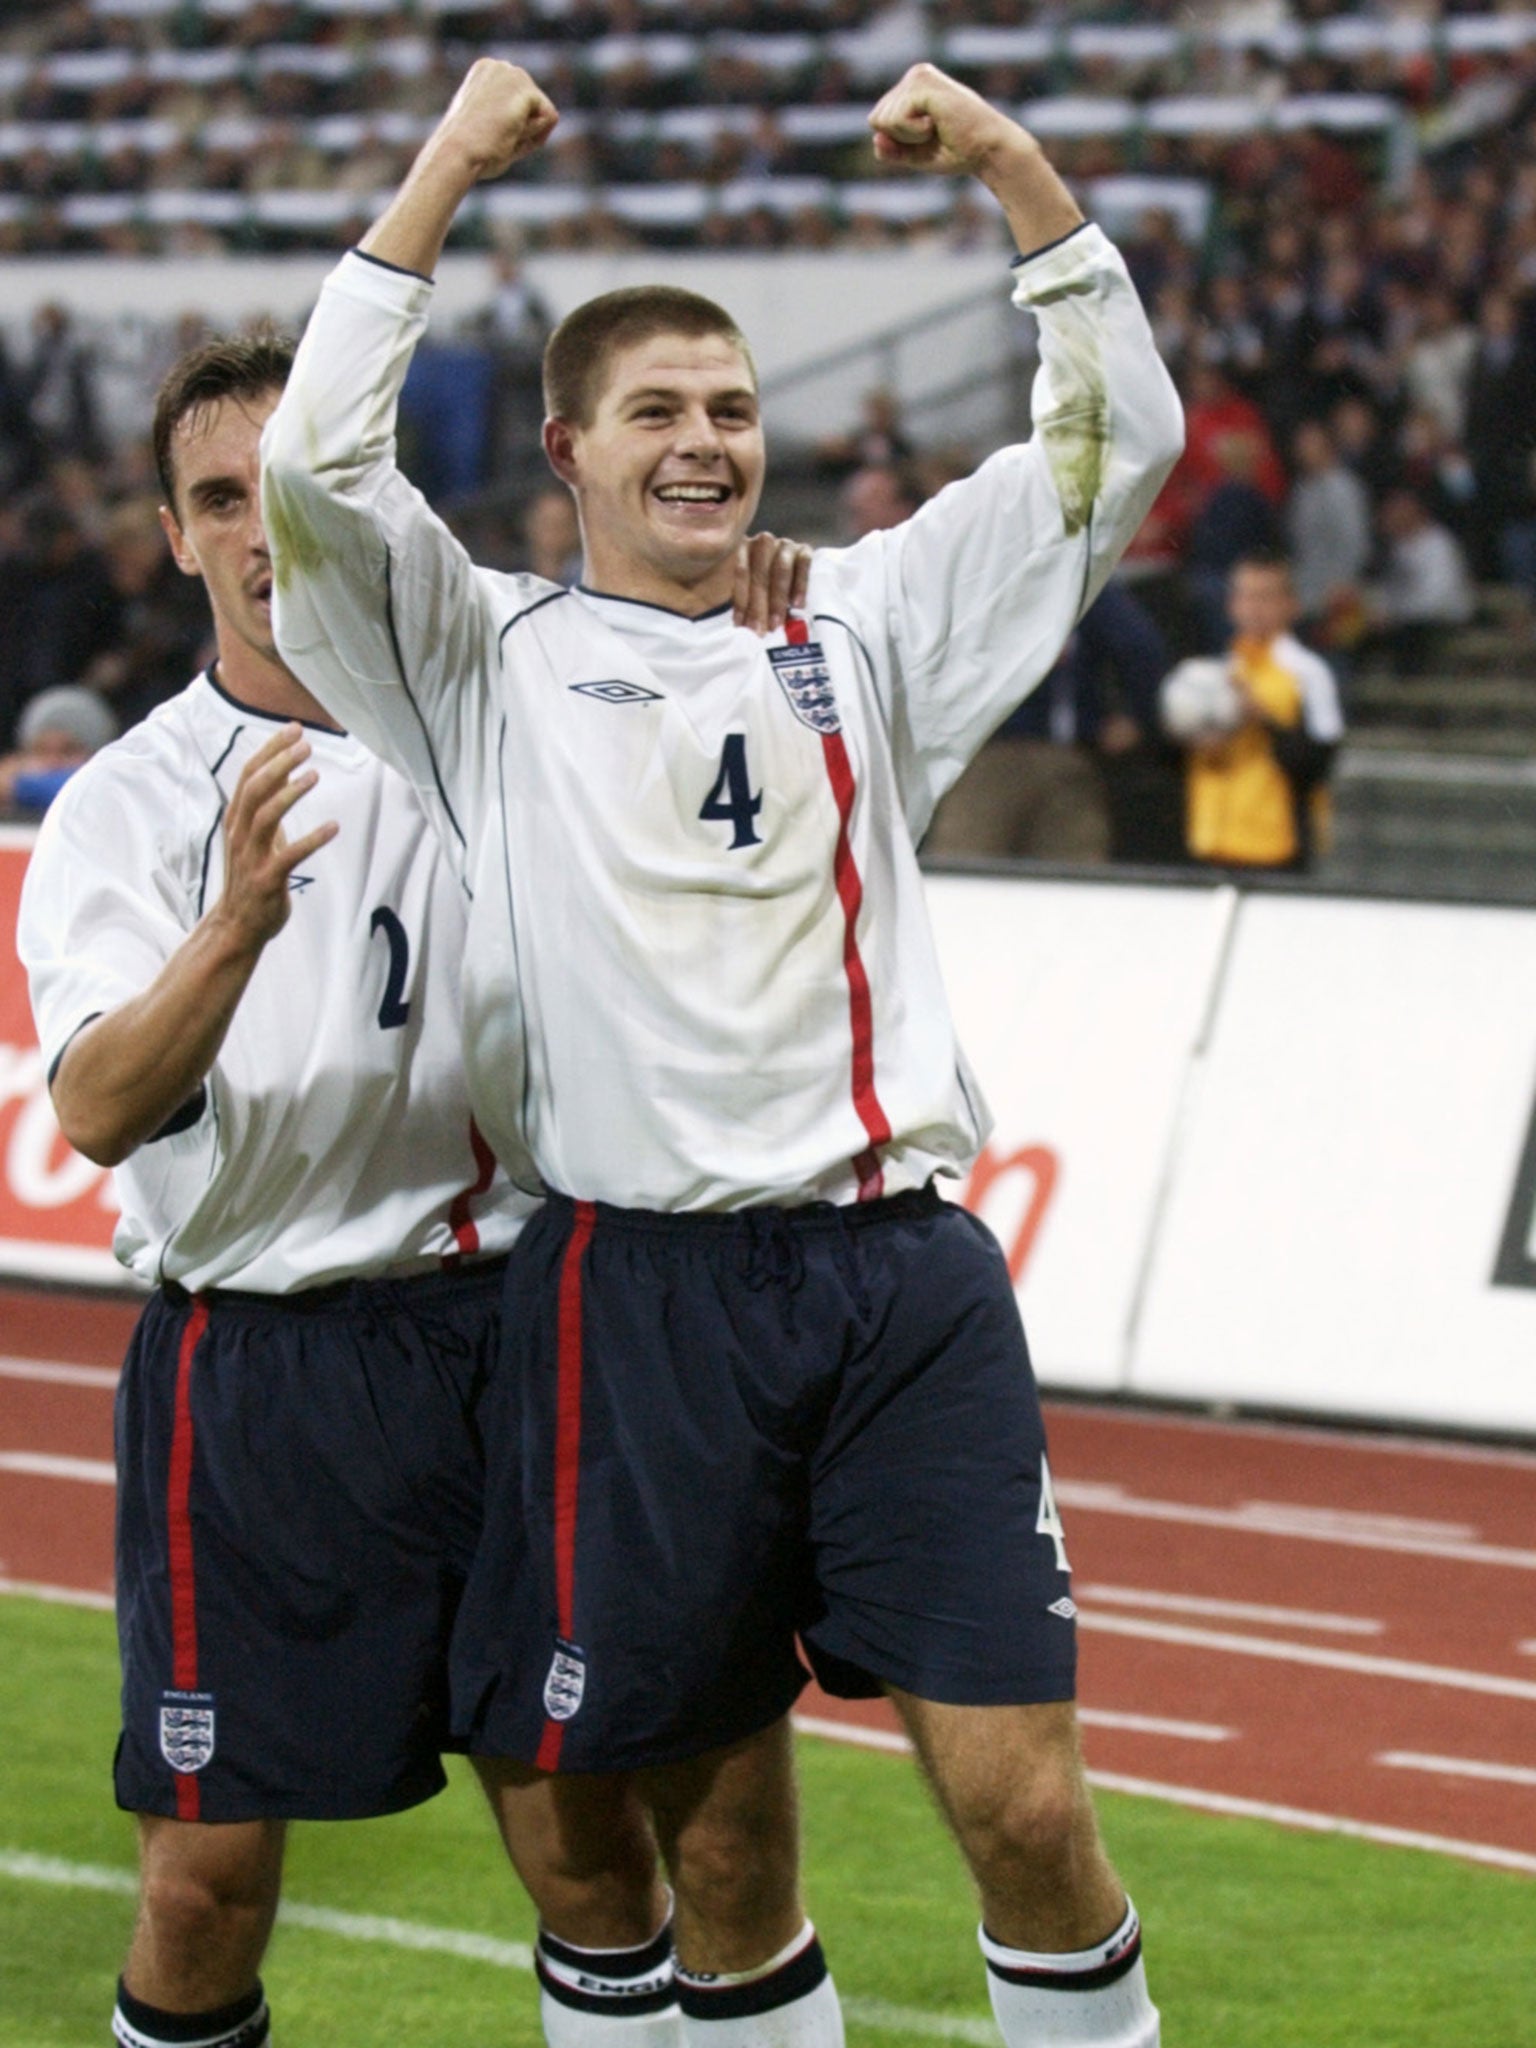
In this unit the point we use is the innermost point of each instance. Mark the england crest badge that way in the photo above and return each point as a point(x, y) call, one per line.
point(807, 683)
point(186, 1730)
point(567, 1681)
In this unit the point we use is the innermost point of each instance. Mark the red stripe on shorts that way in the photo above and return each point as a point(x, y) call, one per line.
point(850, 891)
point(465, 1234)
point(567, 1451)
point(178, 1519)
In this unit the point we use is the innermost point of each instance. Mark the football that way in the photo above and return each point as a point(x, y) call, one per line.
point(1199, 701)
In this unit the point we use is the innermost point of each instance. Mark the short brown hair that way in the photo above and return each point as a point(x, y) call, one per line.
point(230, 366)
point(578, 352)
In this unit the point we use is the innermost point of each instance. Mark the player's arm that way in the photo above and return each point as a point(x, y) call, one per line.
point(126, 1074)
point(973, 597)
point(376, 606)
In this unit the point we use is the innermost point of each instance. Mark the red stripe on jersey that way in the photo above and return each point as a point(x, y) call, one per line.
point(567, 1450)
point(178, 1519)
point(850, 890)
point(460, 1222)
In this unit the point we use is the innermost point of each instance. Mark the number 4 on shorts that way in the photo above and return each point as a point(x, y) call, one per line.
point(1048, 1521)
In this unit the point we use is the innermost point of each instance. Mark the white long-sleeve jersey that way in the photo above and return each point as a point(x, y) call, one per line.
point(699, 973)
point(331, 1140)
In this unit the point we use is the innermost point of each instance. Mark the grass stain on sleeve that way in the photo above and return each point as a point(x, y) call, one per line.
point(1075, 431)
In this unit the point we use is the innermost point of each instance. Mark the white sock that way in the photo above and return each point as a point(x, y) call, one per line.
point(1093, 1998)
point(608, 1998)
point(788, 2002)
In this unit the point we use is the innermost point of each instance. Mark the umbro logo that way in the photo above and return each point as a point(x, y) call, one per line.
point(614, 690)
point(297, 883)
point(1066, 1607)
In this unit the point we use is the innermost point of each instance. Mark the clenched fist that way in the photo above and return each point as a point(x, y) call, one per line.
point(931, 122)
point(497, 115)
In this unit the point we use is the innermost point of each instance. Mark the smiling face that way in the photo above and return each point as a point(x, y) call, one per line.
point(667, 471)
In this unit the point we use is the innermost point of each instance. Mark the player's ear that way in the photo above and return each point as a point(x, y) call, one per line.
point(184, 558)
point(560, 449)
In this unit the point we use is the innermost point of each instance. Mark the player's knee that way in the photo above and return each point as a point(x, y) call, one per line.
point(1031, 1818)
point(193, 1912)
point(734, 1875)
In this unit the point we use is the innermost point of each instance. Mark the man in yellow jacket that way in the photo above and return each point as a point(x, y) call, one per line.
point(1255, 796)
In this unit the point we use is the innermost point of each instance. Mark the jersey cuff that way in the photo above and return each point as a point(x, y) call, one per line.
point(398, 269)
point(58, 1059)
point(1045, 248)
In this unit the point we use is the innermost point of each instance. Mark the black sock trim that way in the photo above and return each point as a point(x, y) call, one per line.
point(1095, 1979)
point(797, 1978)
point(616, 1965)
point(244, 2023)
point(614, 2004)
point(616, 1962)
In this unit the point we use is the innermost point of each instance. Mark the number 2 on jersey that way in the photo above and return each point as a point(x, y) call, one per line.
point(393, 1011)
point(731, 800)
point(1048, 1521)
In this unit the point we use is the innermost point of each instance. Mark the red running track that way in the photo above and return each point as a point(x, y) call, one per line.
point(1335, 1627)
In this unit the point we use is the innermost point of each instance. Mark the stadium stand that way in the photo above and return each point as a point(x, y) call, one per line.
point(1331, 215)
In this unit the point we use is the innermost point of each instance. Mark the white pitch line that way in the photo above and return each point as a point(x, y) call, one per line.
point(851, 1731)
point(455, 1941)
point(1527, 1649)
point(1257, 1519)
point(54, 1374)
point(1231, 1610)
point(1457, 1767)
point(1315, 1823)
point(1281, 1652)
point(59, 1596)
point(43, 1465)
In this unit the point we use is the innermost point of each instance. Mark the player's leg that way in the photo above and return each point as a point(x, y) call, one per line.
point(584, 1850)
point(943, 1574)
point(1061, 1940)
point(750, 1968)
point(207, 1899)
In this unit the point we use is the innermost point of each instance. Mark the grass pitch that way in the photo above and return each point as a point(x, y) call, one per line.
point(1257, 1937)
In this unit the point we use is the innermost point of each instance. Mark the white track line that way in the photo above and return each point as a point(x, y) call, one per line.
point(1255, 1518)
point(1231, 1610)
point(1457, 1767)
point(1226, 1803)
point(43, 1465)
point(58, 1375)
point(1316, 1823)
point(1342, 1438)
point(454, 1941)
point(1312, 1653)
point(1090, 1717)
point(1527, 1649)
point(58, 1596)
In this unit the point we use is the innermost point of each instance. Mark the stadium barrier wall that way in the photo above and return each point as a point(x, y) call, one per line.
point(1260, 1149)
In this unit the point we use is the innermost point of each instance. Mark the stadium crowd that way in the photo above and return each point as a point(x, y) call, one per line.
point(1331, 218)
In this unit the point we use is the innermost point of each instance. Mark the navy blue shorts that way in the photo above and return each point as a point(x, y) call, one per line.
point(710, 1433)
point(300, 1483)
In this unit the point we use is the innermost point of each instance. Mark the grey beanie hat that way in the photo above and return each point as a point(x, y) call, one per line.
point(71, 708)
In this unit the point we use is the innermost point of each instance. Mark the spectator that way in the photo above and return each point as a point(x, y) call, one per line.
point(1041, 787)
point(1425, 590)
point(552, 536)
point(56, 608)
point(58, 386)
point(1501, 442)
point(1236, 519)
point(1328, 528)
point(58, 731)
point(877, 495)
point(878, 439)
point(1255, 795)
point(514, 326)
point(158, 624)
point(1438, 363)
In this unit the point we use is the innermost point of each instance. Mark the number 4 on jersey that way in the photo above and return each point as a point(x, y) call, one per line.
point(731, 801)
point(1048, 1521)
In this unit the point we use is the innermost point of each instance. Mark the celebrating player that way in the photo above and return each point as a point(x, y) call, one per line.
point(759, 1376)
point(261, 1032)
